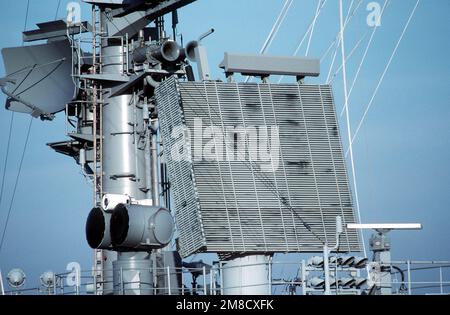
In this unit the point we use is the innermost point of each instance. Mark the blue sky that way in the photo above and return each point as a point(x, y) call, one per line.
point(401, 154)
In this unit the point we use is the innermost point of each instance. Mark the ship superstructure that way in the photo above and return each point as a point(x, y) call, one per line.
point(183, 165)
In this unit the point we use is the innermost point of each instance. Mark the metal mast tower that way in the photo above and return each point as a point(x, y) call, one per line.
point(131, 60)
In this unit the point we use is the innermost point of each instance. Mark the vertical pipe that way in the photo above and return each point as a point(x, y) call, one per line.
point(122, 287)
point(211, 282)
point(155, 273)
point(182, 282)
point(349, 128)
point(155, 164)
point(440, 280)
point(326, 269)
point(205, 292)
point(215, 281)
point(148, 149)
point(77, 284)
point(221, 277)
point(270, 274)
point(409, 277)
point(127, 55)
point(304, 277)
point(168, 281)
point(54, 284)
point(95, 281)
point(1, 283)
point(135, 138)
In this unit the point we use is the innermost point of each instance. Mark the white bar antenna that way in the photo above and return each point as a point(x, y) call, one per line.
point(389, 226)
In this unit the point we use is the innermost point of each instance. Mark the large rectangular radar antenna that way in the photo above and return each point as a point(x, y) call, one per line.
point(232, 203)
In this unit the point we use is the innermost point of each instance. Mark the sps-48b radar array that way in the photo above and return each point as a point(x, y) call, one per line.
point(126, 87)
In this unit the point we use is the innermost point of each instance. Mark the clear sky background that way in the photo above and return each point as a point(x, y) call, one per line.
point(402, 154)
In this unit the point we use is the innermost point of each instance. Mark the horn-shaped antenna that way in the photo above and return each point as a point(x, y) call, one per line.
point(196, 52)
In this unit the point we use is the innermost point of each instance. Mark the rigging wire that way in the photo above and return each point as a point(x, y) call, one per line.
point(275, 28)
point(57, 9)
point(338, 38)
point(349, 56)
point(347, 20)
point(7, 154)
point(319, 3)
point(347, 114)
point(384, 72)
point(363, 59)
point(300, 44)
point(8, 146)
point(16, 182)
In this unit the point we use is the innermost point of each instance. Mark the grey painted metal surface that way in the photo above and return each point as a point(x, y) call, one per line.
point(39, 70)
point(133, 274)
point(141, 228)
point(231, 206)
point(123, 149)
point(129, 17)
point(261, 65)
point(55, 29)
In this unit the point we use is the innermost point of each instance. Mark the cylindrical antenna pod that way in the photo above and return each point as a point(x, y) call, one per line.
point(141, 228)
point(97, 229)
point(168, 52)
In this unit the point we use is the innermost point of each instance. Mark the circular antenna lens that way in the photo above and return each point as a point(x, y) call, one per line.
point(163, 226)
point(95, 228)
point(120, 224)
point(171, 51)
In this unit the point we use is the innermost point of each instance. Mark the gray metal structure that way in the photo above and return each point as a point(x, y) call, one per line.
point(235, 205)
point(127, 92)
point(263, 66)
point(35, 70)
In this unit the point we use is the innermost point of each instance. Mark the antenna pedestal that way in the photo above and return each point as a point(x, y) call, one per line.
point(133, 274)
point(380, 244)
point(248, 275)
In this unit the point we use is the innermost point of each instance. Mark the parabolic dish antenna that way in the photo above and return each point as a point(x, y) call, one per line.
point(39, 78)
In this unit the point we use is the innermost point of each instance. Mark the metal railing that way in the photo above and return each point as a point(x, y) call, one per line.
point(408, 278)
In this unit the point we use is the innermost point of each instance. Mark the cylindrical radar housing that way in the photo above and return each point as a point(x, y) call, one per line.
point(97, 229)
point(141, 228)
